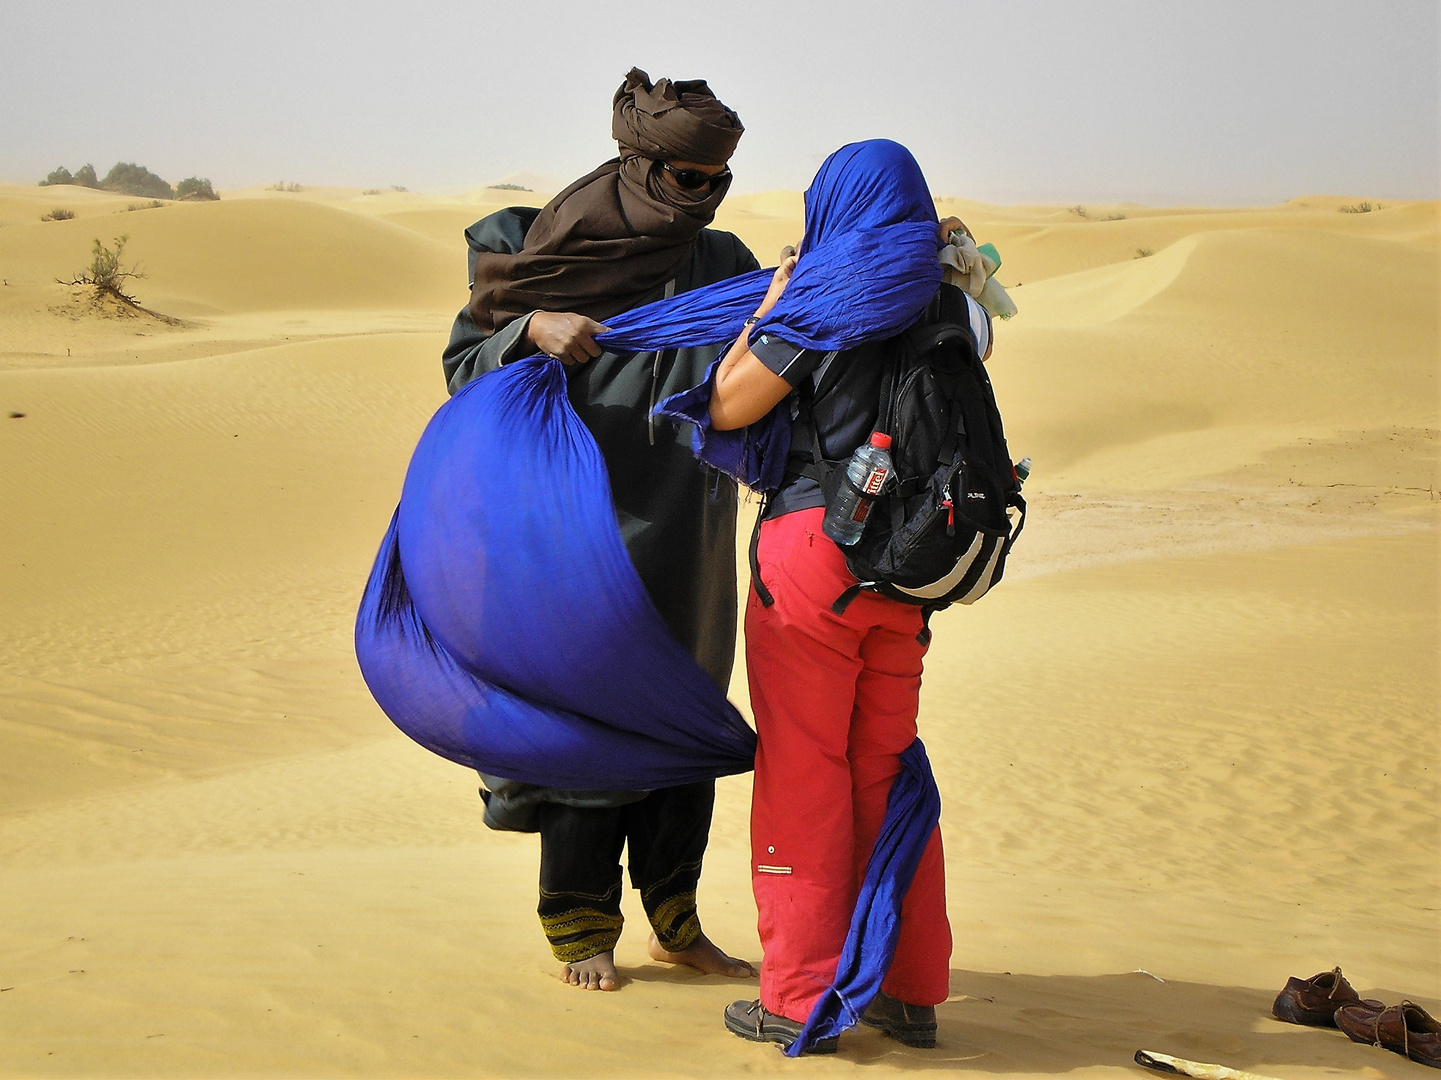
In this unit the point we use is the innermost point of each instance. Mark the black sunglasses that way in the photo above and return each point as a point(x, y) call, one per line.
point(694, 179)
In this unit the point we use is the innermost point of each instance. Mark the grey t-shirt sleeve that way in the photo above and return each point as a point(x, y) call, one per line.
point(788, 361)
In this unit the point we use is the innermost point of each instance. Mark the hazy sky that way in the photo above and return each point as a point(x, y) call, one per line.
point(1217, 102)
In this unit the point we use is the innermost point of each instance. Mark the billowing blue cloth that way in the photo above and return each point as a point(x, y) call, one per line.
point(913, 810)
point(504, 626)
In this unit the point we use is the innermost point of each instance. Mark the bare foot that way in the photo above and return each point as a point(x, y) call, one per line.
point(597, 973)
point(704, 957)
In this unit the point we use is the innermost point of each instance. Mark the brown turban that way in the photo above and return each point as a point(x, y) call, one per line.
point(679, 121)
point(615, 235)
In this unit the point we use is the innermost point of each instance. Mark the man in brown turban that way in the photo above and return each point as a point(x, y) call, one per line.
point(628, 233)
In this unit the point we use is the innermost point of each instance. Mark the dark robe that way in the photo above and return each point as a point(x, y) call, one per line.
point(677, 518)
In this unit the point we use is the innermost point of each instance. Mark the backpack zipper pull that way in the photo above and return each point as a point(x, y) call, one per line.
point(950, 515)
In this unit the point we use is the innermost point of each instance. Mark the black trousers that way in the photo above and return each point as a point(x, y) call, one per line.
point(580, 874)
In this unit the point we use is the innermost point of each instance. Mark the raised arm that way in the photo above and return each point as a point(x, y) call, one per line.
point(744, 389)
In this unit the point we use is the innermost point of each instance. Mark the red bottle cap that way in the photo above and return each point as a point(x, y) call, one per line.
point(880, 440)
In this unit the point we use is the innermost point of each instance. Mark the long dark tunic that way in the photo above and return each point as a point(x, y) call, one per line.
point(677, 518)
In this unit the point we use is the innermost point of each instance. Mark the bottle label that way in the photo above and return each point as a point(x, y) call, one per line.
point(876, 481)
point(862, 511)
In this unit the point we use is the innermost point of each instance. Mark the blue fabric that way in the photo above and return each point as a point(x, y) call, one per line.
point(867, 269)
point(504, 626)
point(913, 810)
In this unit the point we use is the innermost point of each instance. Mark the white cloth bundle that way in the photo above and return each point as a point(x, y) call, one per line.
point(972, 271)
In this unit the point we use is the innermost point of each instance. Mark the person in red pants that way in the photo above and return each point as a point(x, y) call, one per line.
point(835, 698)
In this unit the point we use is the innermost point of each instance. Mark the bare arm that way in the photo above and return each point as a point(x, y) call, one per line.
point(744, 389)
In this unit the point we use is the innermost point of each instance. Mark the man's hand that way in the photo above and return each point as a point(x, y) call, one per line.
point(568, 337)
point(950, 225)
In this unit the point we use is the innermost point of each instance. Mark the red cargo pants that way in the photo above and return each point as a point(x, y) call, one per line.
point(835, 700)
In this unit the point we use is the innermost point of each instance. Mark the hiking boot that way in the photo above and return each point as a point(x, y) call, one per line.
point(752, 1020)
point(1314, 1001)
point(1407, 1029)
point(913, 1025)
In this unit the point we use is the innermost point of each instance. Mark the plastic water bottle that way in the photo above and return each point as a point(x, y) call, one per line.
point(869, 471)
point(1023, 470)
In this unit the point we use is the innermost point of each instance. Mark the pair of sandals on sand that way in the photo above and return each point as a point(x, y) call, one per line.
point(1328, 1000)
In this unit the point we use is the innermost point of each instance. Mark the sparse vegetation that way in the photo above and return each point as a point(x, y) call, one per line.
point(283, 186)
point(107, 272)
point(128, 178)
point(125, 177)
point(372, 191)
point(1359, 208)
point(58, 214)
point(153, 204)
point(1144, 252)
point(1114, 217)
point(1081, 212)
point(508, 187)
point(398, 187)
point(196, 189)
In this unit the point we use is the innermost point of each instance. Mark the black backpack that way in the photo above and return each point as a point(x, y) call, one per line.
point(942, 532)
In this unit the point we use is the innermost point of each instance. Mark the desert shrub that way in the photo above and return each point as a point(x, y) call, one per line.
point(58, 176)
point(283, 186)
point(153, 204)
point(196, 188)
point(1359, 208)
point(507, 187)
point(107, 272)
point(1114, 217)
point(128, 178)
point(373, 191)
point(85, 176)
point(398, 187)
point(1144, 253)
point(58, 214)
point(1081, 212)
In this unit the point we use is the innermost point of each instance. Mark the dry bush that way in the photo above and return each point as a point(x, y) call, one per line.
point(128, 178)
point(107, 273)
point(58, 214)
point(196, 189)
point(283, 186)
point(1081, 212)
point(153, 204)
point(1359, 208)
point(1144, 252)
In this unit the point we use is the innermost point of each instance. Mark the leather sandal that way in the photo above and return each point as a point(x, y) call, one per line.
point(1407, 1029)
point(1314, 1001)
point(752, 1020)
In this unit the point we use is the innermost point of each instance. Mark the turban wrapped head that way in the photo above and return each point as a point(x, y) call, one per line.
point(617, 234)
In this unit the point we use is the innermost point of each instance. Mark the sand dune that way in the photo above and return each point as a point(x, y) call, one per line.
point(1195, 733)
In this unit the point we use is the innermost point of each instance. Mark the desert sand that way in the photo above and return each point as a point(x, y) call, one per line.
point(1188, 749)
